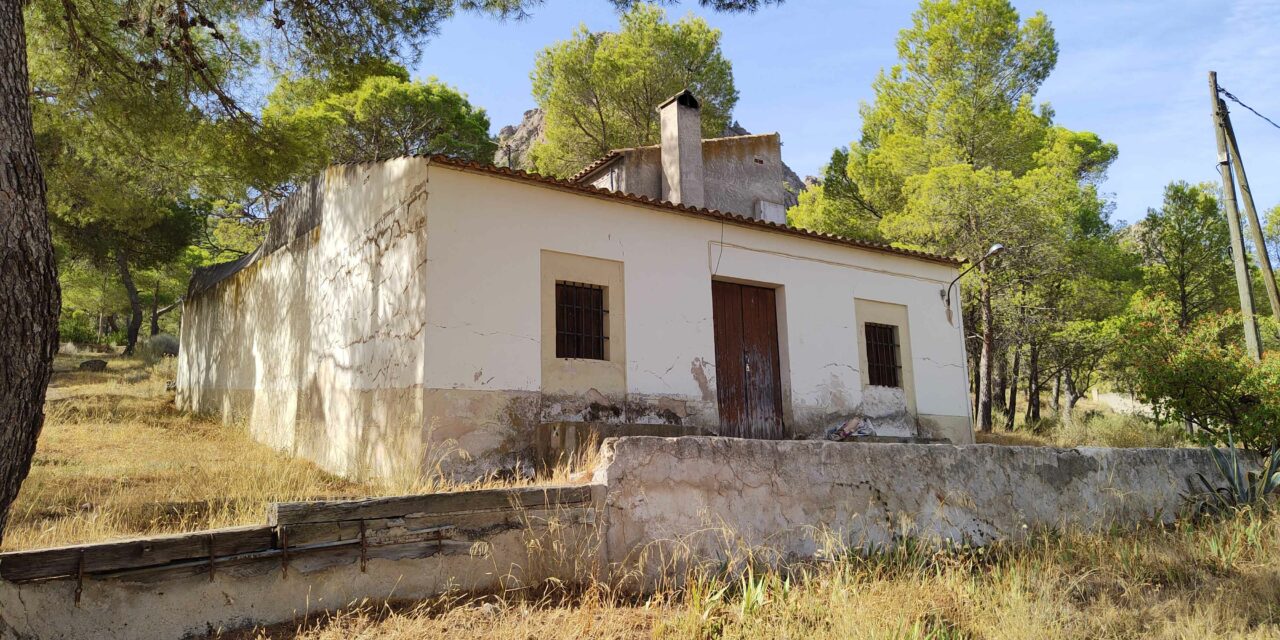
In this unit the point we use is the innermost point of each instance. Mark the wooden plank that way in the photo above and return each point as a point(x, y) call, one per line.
point(290, 513)
point(17, 566)
point(435, 535)
point(309, 533)
point(726, 314)
point(760, 349)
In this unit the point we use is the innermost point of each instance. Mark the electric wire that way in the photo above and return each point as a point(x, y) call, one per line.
point(1236, 100)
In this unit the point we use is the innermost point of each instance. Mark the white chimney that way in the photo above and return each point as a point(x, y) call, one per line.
point(681, 123)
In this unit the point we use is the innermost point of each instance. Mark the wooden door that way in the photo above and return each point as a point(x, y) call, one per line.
point(748, 381)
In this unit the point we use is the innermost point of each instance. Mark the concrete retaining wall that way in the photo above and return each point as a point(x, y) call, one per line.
point(693, 498)
point(307, 560)
point(796, 498)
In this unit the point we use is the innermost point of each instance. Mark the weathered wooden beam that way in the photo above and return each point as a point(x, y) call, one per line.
point(21, 566)
point(378, 547)
point(289, 513)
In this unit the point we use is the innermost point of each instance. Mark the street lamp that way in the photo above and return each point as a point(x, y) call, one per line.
point(945, 294)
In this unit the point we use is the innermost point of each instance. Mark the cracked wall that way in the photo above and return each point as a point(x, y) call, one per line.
point(318, 346)
point(798, 500)
point(405, 328)
point(488, 237)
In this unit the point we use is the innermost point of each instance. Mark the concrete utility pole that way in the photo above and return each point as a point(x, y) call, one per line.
point(1252, 340)
point(1251, 213)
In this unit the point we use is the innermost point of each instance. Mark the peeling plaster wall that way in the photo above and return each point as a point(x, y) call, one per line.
point(318, 346)
point(744, 171)
point(738, 173)
point(486, 236)
point(799, 499)
point(328, 348)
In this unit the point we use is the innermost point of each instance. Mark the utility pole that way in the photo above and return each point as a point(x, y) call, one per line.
point(1252, 340)
point(1251, 213)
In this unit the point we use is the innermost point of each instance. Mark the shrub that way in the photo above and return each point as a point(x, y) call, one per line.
point(1242, 488)
point(1200, 375)
point(161, 345)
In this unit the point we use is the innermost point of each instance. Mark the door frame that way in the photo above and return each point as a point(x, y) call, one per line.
point(784, 352)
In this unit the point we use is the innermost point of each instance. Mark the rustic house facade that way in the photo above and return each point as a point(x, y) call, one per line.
point(424, 310)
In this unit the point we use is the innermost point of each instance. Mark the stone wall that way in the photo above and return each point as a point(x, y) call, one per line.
point(800, 498)
point(654, 503)
point(310, 558)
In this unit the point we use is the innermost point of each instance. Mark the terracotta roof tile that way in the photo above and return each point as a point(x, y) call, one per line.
point(207, 277)
point(599, 162)
point(570, 185)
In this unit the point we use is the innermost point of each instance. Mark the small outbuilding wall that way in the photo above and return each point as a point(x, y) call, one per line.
point(403, 317)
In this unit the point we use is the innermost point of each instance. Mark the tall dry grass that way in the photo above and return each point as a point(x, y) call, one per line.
point(117, 459)
point(1201, 580)
point(1090, 428)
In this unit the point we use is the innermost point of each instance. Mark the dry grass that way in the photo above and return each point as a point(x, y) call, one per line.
point(117, 459)
point(1091, 428)
point(1212, 579)
point(115, 447)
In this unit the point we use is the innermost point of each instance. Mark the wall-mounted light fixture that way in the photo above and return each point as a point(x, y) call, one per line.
point(945, 294)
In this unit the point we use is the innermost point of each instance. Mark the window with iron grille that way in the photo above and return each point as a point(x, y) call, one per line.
point(580, 321)
point(883, 366)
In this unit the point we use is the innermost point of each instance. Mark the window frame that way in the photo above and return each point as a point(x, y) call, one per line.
point(581, 321)
point(879, 373)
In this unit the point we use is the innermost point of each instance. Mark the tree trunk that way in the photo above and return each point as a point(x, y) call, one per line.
point(135, 302)
point(1057, 394)
point(29, 295)
point(1072, 396)
point(1011, 409)
point(988, 348)
point(1033, 383)
point(155, 310)
point(999, 399)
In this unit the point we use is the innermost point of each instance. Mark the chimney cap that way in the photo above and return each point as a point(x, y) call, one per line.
point(684, 98)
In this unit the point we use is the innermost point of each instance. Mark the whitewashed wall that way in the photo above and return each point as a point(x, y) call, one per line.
point(405, 330)
point(485, 236)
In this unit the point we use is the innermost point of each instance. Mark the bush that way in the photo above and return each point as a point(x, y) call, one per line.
point(1201, 375)
point(159, 346)
point(77, 327)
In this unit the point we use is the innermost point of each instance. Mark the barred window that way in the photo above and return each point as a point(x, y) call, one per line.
point(883, 362)
point(580, 315)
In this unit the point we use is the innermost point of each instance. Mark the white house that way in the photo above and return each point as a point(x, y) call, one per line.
point(424, 308)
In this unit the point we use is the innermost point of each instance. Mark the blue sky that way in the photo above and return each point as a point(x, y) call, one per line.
point(1134, 72)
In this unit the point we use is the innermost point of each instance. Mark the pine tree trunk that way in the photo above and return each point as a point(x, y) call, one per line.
point(1072, 396)
point(155, 310)
point(29, 295)
point(986, 362)
point(1057, 394)
point(999, 400)
point(135, 302)
point(1033, 383)
point(1011, 409)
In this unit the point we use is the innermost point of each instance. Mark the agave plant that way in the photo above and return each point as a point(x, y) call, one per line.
point(1242, 487)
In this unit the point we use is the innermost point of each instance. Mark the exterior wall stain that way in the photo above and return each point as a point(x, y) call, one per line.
point(396, 324)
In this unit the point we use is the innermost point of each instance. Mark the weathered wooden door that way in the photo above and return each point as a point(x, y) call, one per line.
point(748, 382)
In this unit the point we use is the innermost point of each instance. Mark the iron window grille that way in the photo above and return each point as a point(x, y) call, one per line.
point(580, 321)
point(884, 366)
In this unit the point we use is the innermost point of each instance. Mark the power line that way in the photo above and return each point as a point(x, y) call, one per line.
point(1255, 111)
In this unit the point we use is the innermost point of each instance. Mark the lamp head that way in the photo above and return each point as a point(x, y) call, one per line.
point(995, 248)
